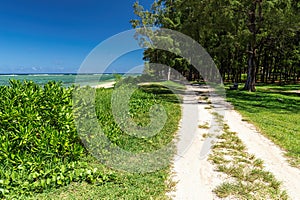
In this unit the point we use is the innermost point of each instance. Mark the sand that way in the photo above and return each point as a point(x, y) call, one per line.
point(195, 175)
point(105, 85)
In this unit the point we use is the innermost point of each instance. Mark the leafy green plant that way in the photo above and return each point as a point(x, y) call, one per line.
point(39, 143)
point(124, 185)
point(40, 150)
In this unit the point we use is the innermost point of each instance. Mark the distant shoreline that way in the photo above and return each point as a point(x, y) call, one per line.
point(108, 84)
point(24, 74)
point(66, 79)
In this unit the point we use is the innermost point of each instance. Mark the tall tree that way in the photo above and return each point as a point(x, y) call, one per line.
point(242, 36)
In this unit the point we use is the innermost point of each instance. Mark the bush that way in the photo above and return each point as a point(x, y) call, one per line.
point(39, 143)
point(37, 125)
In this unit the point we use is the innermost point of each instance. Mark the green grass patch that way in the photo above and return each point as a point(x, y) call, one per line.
point(204, 126)
point(42, 156)
point(126, 186)
point(275, 110)
point(173, 85)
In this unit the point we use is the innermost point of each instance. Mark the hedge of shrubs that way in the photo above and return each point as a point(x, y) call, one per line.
point(39, 146)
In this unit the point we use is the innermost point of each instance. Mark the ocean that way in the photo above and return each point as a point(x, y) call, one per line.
point(66, 79)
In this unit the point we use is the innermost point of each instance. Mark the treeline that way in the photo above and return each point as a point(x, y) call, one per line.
point(249, 40)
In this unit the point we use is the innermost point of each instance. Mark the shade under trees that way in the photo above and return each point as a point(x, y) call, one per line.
point(249, 40)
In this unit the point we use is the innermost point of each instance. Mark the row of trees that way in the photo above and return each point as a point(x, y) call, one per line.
point(258, 39)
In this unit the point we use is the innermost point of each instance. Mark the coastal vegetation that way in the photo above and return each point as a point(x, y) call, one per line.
point(253, 42)
point(250, 41)
point(41, 150)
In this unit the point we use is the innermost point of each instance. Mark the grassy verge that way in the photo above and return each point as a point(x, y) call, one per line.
point(124, 185)
point(275, 110)
point(42, 157)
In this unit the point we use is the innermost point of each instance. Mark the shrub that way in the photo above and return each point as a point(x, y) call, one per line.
point(39, 146)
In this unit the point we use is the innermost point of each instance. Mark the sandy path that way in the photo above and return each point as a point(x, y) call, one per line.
point(195, 175)
point(105, 85)
point(272, 155)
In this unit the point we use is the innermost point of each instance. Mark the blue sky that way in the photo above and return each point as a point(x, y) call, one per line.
point(56, 35)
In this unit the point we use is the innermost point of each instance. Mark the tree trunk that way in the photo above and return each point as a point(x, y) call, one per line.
point(169, 74)
point(294, 75)
point(255, 20)
point(251, 75)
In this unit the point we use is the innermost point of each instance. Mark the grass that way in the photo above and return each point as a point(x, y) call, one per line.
point(204, 126)
point(275, 111)
point(173, 85)
point(125, 185)
point(203, 98)
point(245, 176)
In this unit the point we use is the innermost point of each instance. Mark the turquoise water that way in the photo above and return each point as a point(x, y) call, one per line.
point(66, 79)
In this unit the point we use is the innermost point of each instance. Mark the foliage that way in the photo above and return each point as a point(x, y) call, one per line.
point(259, 38)
point(129, 185)
point(141, 102)
point(117, 77)
point(39, 148)
point(125, 186)
point(41, 152)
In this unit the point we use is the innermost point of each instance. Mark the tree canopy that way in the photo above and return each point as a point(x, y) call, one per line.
point(249, 40)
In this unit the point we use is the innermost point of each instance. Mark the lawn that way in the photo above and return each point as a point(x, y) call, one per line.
point(275, 111)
